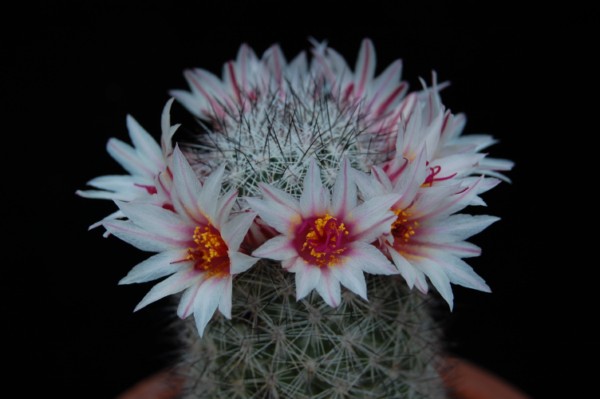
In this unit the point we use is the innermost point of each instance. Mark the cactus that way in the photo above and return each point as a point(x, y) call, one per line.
point(277, 347)
point(342, 181)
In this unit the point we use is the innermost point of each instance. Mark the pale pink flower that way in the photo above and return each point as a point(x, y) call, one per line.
point(144, 161)
point(428, 236)
point(198, 244)
point(325, 239)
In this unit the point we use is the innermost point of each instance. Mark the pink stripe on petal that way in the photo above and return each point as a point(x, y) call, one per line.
point(373, 217)
point(187, 187)
point(186, 303)
point(195, 83)
point(140, 238)
point(275, 215)
point(365, 66)
point(144, 143)
point(279, 196)
point(127, 157)
point(155, 267)
point(234, 84)
point(344, 191)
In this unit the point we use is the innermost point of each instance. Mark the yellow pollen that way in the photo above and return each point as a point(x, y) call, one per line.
point(210, 253)
point(323, 240)
point(402, 228)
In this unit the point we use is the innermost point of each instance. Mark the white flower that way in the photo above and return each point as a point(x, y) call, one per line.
point(377, 96)
point(426, 125)
point(326, 241)
point(197, 243)
point(428, 237)
point(144, 161)
point(244, 81)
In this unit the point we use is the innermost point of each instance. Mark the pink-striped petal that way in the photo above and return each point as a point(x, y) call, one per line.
point(140, 238)
point(208, 196)
point(157, 266)
point(144, 143)
point(279, 196)
point(365, 67)
point(344, 191)
point(315, 198)
point(279, 217)
point(129, 159)
point(157, 220)
point(373, 218)
point(187, 188)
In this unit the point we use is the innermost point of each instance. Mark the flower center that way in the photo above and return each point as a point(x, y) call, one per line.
point(403, 229)
point(210, 253)
point(322, 240)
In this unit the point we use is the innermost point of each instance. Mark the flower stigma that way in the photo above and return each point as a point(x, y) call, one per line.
point(322, 240)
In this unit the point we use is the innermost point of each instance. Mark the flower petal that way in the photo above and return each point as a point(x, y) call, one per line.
point(329, 289)
point(172, 285)
point(140, 238)
point(276, 195)
point(186, 303)
point(236, 229)
point(187, 188)
point(373, 218)
point(279, 217)
point(209, 194)
point(156, 266)
point(145, 145)
point(307, 278)
point(407, 271)
point(351, 276)
point(226, 297)
point(370, 259)
point(438, 278)
point(458, 271)
point(315, 198)
point(277, 248)
point(240, 262)
point(344, 191)
point(157, 220)
point(129, 159)
point(207, 300)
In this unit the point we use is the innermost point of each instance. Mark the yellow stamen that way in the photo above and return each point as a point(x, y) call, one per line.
point(210, 253)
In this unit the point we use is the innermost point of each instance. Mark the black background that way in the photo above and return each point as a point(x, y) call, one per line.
point(75, 71)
